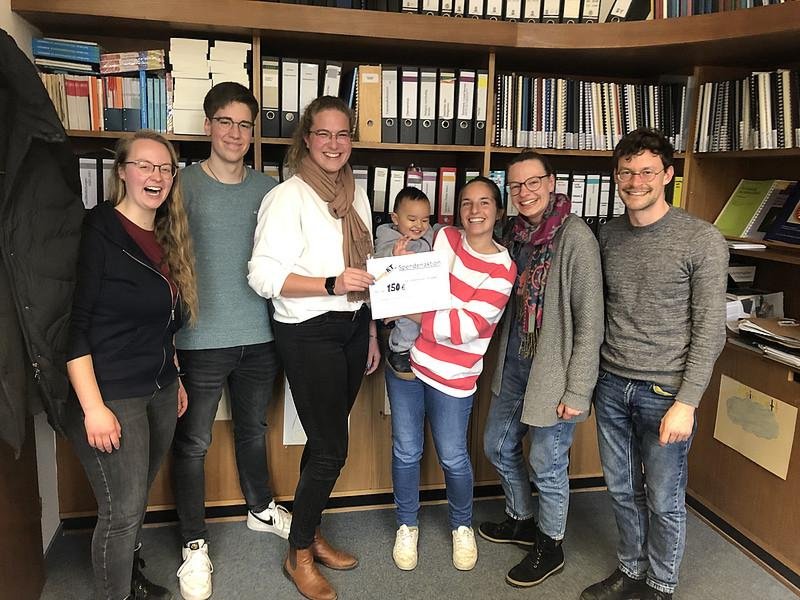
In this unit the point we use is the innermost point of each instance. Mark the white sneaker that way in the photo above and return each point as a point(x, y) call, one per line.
point(273, 519)
point(405, 547)
point(195, 572)
point(465, 552)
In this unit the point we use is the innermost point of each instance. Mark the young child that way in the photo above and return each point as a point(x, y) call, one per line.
point(408, 233)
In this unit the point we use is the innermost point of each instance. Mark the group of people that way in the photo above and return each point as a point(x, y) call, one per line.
point(634, 323)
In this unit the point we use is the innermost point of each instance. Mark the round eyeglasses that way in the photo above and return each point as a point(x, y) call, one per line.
point(147, 168)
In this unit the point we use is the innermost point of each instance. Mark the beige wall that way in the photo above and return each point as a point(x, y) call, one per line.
point(17, 27)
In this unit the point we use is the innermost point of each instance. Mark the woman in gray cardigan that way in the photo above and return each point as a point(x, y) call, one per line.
point(547, 365)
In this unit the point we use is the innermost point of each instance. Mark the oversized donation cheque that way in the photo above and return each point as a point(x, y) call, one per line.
point(409, 284)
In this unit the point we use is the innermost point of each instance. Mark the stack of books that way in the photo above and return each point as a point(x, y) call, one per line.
point(66, 56)
point(228, 62)
point(191, 81)
point(762, 210)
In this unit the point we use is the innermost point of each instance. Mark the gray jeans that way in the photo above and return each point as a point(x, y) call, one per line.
point(121, 480)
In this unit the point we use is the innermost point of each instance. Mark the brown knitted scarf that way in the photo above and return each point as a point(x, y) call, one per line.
point(339, 191)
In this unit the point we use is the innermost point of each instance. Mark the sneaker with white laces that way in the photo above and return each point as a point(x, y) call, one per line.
point(273, 519)
point(465, 552)
point(194, 574)
point(405, 547)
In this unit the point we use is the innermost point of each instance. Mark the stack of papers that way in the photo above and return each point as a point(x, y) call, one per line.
point(784, 332)
point(786, 358)
point(736, 245)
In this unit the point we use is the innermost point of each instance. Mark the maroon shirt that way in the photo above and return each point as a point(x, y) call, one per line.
point(146, 240)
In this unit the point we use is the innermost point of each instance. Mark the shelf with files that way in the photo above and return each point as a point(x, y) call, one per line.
point(387, 146)
point(115, 135)
point(630, 46)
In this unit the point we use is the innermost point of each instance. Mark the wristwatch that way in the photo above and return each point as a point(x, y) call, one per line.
point(330, 283)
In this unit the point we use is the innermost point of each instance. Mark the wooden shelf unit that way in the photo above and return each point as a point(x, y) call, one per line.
point(706, 46)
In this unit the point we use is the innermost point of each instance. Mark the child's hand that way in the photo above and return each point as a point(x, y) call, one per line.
point(400, 245)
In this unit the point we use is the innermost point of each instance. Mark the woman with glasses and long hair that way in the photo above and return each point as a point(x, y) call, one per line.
point(547, 365)
point(135, 288)
point(311, 244)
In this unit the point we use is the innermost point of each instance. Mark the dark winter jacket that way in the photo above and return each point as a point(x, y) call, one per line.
point(40, 220)
point(124, 313)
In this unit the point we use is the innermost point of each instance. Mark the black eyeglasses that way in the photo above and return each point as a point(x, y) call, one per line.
point(342, 137)
point(647, 175)
point(147, 168)
point(226, 123)
point(532, 183)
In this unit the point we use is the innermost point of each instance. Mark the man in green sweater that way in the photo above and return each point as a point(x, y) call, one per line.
point(232, 343)
point(665, 273)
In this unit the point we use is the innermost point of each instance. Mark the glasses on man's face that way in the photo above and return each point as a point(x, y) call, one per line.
point(647, 175)
point(147, 168)
point(532, 183)
point(226, 123)
point(343, 137)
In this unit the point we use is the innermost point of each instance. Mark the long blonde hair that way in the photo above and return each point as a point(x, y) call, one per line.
point(298, 150)
point(171, 224)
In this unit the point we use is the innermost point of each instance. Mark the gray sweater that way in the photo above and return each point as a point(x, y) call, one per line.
point(566, 363)
point(405, 331)
point(222, 221)
point(665, 301)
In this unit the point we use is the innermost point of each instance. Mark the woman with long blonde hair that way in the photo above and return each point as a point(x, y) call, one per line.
point(135, 287)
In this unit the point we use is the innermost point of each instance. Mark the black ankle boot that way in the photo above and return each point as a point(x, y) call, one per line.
point(141, 587)
point(544, 559)
point(514, 531)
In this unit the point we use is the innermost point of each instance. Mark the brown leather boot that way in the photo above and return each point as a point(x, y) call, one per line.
point(331, 557)
point(300, 568)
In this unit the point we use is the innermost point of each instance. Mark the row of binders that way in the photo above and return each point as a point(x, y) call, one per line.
point(592, 196)
point(394, 104)
point(546, 11)
point(758, 112)
point(572, 114)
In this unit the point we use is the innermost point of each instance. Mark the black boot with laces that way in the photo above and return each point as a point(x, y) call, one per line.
point(141, 587)
point(544, 559)
point(510, 531)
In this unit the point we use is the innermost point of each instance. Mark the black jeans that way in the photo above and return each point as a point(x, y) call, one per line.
point(121, 479)
point(249, 371)
point(324, 359)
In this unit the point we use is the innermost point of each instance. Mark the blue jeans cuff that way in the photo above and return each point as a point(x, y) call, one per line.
point(632, 574)
point(661, 587)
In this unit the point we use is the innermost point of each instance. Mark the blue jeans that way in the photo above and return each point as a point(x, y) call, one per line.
point(549, 453)
point(646, 481)
point(121, 480)
point(249, 371)
point(411, 402)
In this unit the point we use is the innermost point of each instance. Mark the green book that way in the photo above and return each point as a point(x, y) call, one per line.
point(743, 205)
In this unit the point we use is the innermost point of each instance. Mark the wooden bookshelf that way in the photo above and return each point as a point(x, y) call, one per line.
point(705, 46)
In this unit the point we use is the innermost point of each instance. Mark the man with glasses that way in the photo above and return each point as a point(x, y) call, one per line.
point(232, 344)
point(547, 366)
point(665, 274)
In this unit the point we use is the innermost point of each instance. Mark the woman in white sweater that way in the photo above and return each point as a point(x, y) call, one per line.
point(311, 243)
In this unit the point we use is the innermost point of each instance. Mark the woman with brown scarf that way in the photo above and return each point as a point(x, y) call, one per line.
point(311, 245)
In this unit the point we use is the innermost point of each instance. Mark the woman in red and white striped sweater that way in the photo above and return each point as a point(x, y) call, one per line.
point(447, 359)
